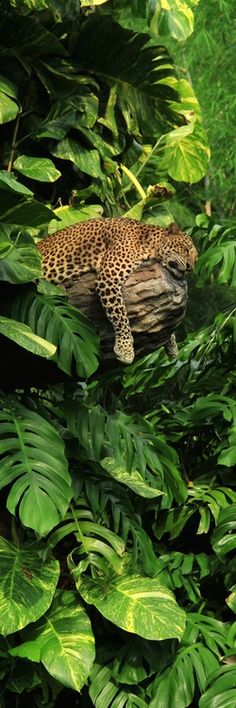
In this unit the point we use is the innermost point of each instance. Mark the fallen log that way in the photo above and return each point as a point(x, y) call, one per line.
point(155, 302)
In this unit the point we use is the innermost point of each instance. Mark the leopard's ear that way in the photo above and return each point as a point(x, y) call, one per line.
point(173, 229)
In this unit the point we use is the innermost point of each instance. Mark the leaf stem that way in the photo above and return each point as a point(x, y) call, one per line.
point(13, 145)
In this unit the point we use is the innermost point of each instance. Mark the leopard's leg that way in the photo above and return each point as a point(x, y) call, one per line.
point(171, 347)
point(110, 278)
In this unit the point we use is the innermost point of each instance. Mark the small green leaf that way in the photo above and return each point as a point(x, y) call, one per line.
point(7, 87)
point(39, 168)
point(27, 585)
point(8, 108)
point(62, 640)
point(136, 604)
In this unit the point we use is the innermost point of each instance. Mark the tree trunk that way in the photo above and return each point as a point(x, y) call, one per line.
point(155, 301)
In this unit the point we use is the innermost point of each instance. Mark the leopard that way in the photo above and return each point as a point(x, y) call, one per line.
point(114, 247)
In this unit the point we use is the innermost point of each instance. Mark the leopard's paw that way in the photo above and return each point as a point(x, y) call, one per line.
point(124, 349)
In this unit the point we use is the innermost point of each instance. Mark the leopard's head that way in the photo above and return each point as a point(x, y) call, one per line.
point(178, 253)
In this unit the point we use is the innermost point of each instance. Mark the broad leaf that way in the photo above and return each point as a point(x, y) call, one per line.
point(132, 479)
point(221, 691)
point(136, 604)
point(173, 17)
point(27, 585)
point(64, 326)
point(26, 213)
point(187, 153)
point(9, 182)
point(23, 263)
point(70, 215)
point(87, 161)
point(63, 641)
point(33, 462)
point(39, 168)
point(23, 335)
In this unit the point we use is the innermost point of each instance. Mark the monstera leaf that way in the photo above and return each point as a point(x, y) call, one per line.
point(33, 463)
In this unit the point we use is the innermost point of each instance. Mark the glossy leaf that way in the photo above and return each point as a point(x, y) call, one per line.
point(87, 161)
point(8, 108)
point(23, 335)
point(221, 690)
point(34, 464)
point(23, 263)
point(62, 325)
point(187, 153)
point(39, 168)
point(9, 182)
point(174, 18)
point(62, 640)
point(27, 585)
point(136, 604)
point(132, 479)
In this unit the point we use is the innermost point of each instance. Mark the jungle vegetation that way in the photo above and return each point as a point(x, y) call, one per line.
point(118, 498)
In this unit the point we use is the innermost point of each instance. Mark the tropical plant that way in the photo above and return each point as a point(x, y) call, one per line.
point(117, 494)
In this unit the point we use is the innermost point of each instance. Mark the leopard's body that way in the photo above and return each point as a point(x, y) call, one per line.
point(114, 247)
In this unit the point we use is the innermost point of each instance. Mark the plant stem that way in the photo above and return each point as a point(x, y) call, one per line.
point(13, 145)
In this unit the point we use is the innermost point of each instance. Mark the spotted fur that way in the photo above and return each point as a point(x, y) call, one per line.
point(114, 248)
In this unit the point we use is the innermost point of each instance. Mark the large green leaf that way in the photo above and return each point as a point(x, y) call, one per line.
point(221, 690)
point(218, 260)
point(87, 161)
point(62, 640)
point(23, 335)
point(173, 17)
point(33, 462)
point(63, 325)
point(136, 604)
point(23, 263)
point(141, 69)
point(70, 215)
point(26, 213)
point(132, 479)
point(27, 584)
point(187, 153)
point(9, 182)
point(176, 685)
point(39, 168)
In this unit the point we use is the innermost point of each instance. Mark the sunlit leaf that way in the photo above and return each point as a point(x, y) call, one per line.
point(62, 640)
point(39, 168)
point(27, 584)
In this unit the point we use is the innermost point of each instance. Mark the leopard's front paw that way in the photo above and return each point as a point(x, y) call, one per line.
point(124, 349)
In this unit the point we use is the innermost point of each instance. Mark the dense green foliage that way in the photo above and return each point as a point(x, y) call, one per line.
point(118, 523)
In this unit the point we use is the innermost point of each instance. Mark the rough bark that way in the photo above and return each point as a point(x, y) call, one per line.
point(155, 301)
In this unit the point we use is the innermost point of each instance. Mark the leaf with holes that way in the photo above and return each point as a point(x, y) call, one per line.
point(33, 463)
point(62, 325)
